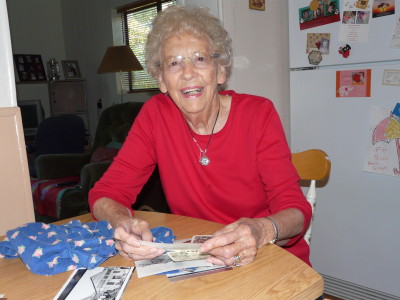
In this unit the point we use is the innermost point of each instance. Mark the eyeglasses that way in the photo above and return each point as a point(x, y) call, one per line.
point(198, 60)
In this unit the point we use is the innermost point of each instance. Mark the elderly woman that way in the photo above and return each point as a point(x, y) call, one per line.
point(222, 156)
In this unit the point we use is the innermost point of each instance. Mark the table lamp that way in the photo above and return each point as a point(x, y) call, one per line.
point(119, 59)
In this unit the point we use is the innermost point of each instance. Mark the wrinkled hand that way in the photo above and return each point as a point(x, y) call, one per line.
point(241, 238)
point(128, 233)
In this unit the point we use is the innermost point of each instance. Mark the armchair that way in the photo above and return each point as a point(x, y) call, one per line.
point(112, 129)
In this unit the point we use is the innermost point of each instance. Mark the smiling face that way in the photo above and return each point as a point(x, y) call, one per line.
point(194, 90)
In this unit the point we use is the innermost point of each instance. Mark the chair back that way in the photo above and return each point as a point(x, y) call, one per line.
point(60, 134)
point(115, 122)
point(113, 128)
point(311, 165)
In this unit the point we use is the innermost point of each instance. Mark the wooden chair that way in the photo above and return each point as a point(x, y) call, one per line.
point(311, 165)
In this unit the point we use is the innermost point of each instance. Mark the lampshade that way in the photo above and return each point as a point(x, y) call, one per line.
point(119, 59)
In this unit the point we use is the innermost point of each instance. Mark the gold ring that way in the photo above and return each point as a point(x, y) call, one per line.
point(237, 260)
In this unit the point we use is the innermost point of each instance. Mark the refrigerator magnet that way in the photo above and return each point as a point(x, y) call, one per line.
point(318, 14)
point(345, 50)
point(383, 8)
point(314, 57)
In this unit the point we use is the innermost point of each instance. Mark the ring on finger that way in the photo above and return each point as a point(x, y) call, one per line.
point(236, 260)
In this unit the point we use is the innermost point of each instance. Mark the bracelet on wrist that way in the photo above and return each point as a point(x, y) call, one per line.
point(276, 235)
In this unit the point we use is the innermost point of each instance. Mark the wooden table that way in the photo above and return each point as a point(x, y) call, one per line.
point(275, 273)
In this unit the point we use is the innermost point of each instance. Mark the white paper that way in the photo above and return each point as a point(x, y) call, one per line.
point(174, 246)
point(391, 77)
point(354, 25)
point(164, 263)
point(395, 41)
point(183, 255)
point(381, 155)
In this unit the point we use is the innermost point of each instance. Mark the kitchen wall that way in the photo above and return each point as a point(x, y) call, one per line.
point(260, 45)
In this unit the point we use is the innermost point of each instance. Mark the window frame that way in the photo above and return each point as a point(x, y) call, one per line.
point(124, 12)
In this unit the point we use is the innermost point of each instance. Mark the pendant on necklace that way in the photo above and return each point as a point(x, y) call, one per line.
point(204, 160)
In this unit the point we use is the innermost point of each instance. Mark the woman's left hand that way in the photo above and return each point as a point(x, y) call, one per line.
point(238, 242)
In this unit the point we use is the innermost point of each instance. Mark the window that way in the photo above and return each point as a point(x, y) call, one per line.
point(136, 21)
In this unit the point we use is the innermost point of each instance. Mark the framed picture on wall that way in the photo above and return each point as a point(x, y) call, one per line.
point(29, 67)
point(71, 69)
point(257, 4)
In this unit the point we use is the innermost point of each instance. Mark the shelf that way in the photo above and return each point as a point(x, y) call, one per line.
point(49, 81)
point(33, 82)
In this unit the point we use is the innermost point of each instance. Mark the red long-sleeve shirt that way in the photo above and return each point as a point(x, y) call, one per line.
point(250, 173)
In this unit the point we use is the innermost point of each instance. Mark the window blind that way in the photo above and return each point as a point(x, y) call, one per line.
point(136, 23)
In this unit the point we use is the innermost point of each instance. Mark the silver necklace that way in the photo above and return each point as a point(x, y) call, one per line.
point(203, 158)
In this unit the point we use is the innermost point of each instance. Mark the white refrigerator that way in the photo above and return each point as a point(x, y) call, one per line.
point(355, 241)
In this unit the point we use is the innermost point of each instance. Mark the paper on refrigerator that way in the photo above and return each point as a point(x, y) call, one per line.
point(383, 145)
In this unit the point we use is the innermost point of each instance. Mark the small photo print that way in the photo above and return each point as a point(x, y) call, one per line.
point(71, 69)
point(391, 77)
point(332, 8)
point(362, 4)
point(98, 283)
point(257, 4)
point(362, 17)
point(358, 78)
point(349, 17)
point(324, 48)
point(381, 8)
point(306, 14)
point(319, 12)
point(199, 239)
point(318, 42)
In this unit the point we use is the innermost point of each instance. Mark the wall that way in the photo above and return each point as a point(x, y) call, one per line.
point(260, 67)
point(260, 45)
point(36, 28)
point(87, 37)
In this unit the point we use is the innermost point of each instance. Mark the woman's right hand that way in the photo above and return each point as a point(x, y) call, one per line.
point(128, 230)
point(128, 233)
